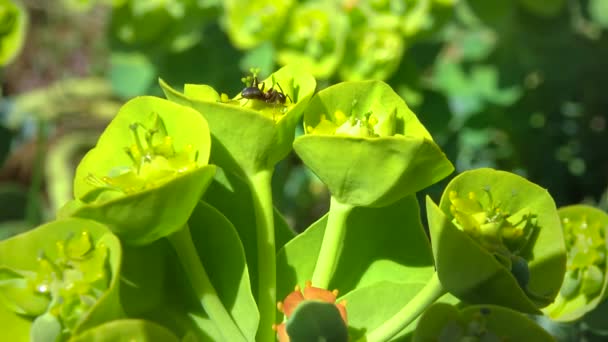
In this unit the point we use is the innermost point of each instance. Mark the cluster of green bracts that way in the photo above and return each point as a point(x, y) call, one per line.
point(353, 39)
point(160, 245)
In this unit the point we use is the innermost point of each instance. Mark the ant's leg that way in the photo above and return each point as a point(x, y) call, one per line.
point(286, 95)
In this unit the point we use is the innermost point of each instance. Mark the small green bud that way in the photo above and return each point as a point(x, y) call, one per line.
point(593, 281)
point(571, 284)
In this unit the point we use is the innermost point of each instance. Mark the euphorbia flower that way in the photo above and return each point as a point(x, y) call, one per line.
point(497, 239)
point(147, 171)
point(66, 281)
point(314, 38)
point(586, 280)
point(295, 300)
point(251, 134)
point(491, 226)
point(352, 128)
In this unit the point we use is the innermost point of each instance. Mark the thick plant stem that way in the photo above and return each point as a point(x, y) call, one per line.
point(261, 192)
point(427, 296)
point(195, 271)
point(332, 243)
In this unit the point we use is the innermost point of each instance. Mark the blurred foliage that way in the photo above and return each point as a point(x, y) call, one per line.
point(13, 23)
point(516, 85)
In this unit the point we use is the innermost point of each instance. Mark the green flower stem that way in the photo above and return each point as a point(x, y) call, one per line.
point(195, 271)
point(332, 243)
point(261, 192)
point(414, 308)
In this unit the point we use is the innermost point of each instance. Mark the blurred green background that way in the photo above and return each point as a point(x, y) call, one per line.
point(519, 85)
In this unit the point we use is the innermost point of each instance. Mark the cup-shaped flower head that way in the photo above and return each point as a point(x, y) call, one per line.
point(312, 314)
point(58, 280)
point(443, 322)
point(584, 287)
point(497, 239)
point(147, 172)
point(367, 146)
point(254, 130)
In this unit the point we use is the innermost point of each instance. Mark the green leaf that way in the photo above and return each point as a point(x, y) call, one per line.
point(247, 140)
point(127, 330)
point(443, 322)
point(368, 307)
point(476, 269)
point(223, 257)
point(13, 25)
point(316, 321)
point(586, 235)
point(20, 253)
point(395, 250)
point(348, 164)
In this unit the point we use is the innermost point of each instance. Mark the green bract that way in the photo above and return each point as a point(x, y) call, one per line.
point(314, 38)
point(13, 23)
point(58, 280)
point(147, 171)
point(250, 135)
point(497, 239)
point(586, 279)
point(443, 322)
point(367, 146)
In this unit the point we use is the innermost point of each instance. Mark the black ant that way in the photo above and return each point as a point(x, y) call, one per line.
point(272, 96)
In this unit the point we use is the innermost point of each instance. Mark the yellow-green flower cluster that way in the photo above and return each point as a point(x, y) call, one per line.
point(586, 246)
point(154, 160)
point(495, 229)
point(69, 284)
